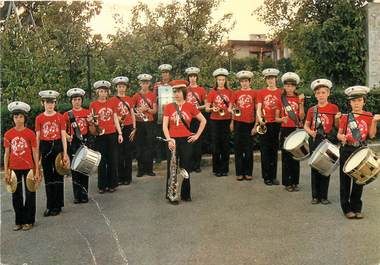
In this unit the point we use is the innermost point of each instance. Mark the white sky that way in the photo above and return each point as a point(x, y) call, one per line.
point(242, 10)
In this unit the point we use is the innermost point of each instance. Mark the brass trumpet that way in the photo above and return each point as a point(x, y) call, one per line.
point(221, 112)
point(236, 111)
point(94, 118)
point(261, 129)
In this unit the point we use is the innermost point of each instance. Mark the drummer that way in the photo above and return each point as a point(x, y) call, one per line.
point(21, 156)
point(320, 120)
point(290, 115)
point(77, 124)
point(354, 128)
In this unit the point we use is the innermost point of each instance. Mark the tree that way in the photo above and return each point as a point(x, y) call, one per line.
point(327, 37)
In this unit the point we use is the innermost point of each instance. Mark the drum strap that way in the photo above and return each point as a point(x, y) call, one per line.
point(124, 103)
point(289, 110)
point(75, 126)
point(179, 113)
point(195, 95)
point(354, 127)
point(317, 122)
point(145, 100)
point(221, 96)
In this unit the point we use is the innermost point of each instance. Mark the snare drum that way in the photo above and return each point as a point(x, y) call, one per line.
point(297, 143)
point(85, 160)
point(363, 165)
point(325, 158)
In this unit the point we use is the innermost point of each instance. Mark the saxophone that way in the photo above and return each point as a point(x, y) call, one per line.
point(176, 176)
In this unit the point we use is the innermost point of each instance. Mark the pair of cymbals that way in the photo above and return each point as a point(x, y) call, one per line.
point(62, 168)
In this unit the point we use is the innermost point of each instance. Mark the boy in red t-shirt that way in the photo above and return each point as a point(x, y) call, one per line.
point(51, 141)
point(21, 156)
point(319, 124)
point(354, 128)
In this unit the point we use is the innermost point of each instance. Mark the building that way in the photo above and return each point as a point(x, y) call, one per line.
point(260, 47)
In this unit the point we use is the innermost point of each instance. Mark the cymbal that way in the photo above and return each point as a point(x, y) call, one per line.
point(12, 186)
point(31, 184)
point(61, 168)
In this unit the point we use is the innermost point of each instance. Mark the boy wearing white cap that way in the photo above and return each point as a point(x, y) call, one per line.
point(21, 156)
point(196, 96)
point(106, 141)
point(243, 118)
point(218, 102)
point(77, 124)
point(354, 128)
point(51, 140)
point(319, 124)
point(290, 115)
point(145, 106)
point(123, 108)
point(268, 101)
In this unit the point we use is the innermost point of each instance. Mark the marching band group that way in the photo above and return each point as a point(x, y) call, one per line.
point(119, 122)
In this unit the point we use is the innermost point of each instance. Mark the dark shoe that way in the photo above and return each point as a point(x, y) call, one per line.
point(126, 183)
point(47, 212)
point(152, 174)
point(17, 227)
point(198, 170)
point(296, 188)
point(359, 216)
point(101, 191)
point(218, 174)
point(268, 182)
point(275, 182)
point(350, 215)
point(239, 178)
point(112, 190)
point(174, 202)
point(325, 201)
point(84, 200)
point(314, 201)
point(224, 174)
point(27, 227)
point(289, 188)
point(139, 174)
point(248, 177)
point(76, 201)
point(186, 199)
point(54, 212)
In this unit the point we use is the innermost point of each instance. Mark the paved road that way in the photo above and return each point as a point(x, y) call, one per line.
point(228, 222)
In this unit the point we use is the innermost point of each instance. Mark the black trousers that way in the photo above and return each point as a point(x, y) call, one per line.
point(159, 147)
point(220, 140)
point(107, 145)
point(290, 167)
point(269, 145)
point(80, 181)
point(144, 145)
point(125, 156)
point(350, 192)
point(319, 182)
point(196, 156)
point(25, 212)
point(183, 156)
point(243, 148)
point(53, 181)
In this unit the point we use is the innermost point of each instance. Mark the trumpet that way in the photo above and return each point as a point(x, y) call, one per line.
point(99, 131)
point(221, 112)
point(140, 115)
point(236, 111)
point(261, 129)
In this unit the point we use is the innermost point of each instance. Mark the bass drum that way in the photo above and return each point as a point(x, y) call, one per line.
point(363, 165)
point(86, 161)
point(325, 158)
point(297, 143)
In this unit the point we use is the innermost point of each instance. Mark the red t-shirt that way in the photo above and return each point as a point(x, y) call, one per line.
point(270, 100)
point(104, 110)
point(199, 92)
point(294, 102)
point(50, 127)
point(121, 109)
point(80, 118)
point(363, 123)
point(216, 100)
point(188, 111)
point(138, 101)
point(326, 115)
point(245, 101)
point(20, 144)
